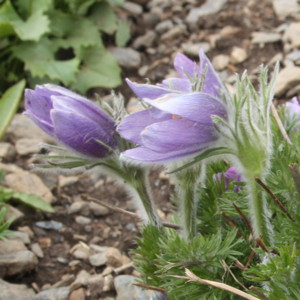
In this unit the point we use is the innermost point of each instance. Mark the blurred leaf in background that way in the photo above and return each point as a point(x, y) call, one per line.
point(60, 42)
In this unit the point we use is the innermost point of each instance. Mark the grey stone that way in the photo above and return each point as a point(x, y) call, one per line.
point(220, 62)
point(98, 210)
point(133, 8)
point(284, 8)
point(23, 181)
point(83, 220)
point(9, 246)
point(127, 291)
point(287, 78)
point(7, 151)
point(174, 32)
point(145, 40)
point(26, 146)
point(127, 57)
point(194, 48)
point(61, 293)
point(37, 250)
point(98, 259)
point(114, 257)
point(17, 262)
point(49, 225)
point(238, 55)
point(291, 35)
point(64, 181)
point(209, 7)
point(294, 56)
point(13, 214)
point(79, 207)
point(164, 26)
point(20, 235)
point(81, 251)
point(11, 291)
point(265, 37)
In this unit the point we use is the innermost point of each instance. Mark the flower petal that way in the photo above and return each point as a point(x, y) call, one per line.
point(133, 124)
point(148, 90)
point(59, 90)
point(197, 107)
point(177, 84)
point(185, 67)
point(146, 155)
point(212, 84)
point(81, 134)
point(177, 135)
point(83, 107)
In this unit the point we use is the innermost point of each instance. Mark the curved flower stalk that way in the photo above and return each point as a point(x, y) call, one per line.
point(230, 175)
point(176, 125)
point(87, 130)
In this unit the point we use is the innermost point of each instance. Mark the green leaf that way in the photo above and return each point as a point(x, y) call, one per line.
point(39, 59)
point(116, 2)
point(28, 7)
point(122, 34)
point(74, 31)
point(105, 18)
point(30, 30)
point(80, 7)
point(99, 69)
point(9, 104)
point(28, 199)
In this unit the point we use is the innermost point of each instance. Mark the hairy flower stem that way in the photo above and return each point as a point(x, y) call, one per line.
point(187, 192)
point(259, 214)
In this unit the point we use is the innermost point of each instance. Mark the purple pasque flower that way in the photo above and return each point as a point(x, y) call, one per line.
point(71, 119)
point(178, 122)
point(229, 176)
point(294, 110)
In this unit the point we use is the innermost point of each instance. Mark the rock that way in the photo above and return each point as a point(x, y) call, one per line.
point(98, 259)
point(142, 71)
point(229, 31)
point(145, 40)
point(294, 56)
point(175, 31)
point(13, 214)
point(108, 284)
point(95, 285)
point(265, 37)
point(238, 55)
point(78, 294)
point(26, 146)
point(220, 62)
point(49, 225)
point(22, 127)
point(37, 250)
point(7, 151)
point(66, 280)
point(127, 291)
point(81, 280)
point(98, 210)
point(127, 57)
point(26, 182)
point(11, 291)
point(20, 235)
point(291, 35)
point(164, 26)
point(133, 8)
point(194, 48)
point(26, 230)
point(284, 8)
point(17, 263)
point(61, 293)
point(64, 181)
point(209, 7)
point(114, 257)
point(287, 78)
point(81, 251)
point(79, 207)
point(83, 220)
point(9, 246)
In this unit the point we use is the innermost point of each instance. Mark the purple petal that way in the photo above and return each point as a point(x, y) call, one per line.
point(146, 155)
point(197, 107)
point(177, 84)
point(59, 90)
point(294, 108)
point(212, 84)
point(85, 108)
point(132, 126)
point(81, 134)
point(185, 67)
point(147, 90)
point(178, 135)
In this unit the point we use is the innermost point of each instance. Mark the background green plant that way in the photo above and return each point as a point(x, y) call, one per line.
point(60, 41)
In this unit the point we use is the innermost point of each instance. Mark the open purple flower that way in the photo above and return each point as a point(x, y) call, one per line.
point(71, 119)
point(178, 122)
point(229, 176)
